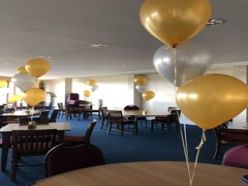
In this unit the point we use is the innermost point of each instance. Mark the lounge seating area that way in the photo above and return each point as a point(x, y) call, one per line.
point(138, 93)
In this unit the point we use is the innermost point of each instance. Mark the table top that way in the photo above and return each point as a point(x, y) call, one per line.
point(143, 113)
point(21, 113)
point(239, 125)
point(158, 173)
point(63, 126)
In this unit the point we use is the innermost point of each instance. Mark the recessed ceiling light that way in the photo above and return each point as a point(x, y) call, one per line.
point(215, 21)
point(99, 45)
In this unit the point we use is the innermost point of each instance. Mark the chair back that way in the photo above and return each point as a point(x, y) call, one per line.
point(54, 115)
point(236, 157)
point(89, 131)
point(60, 106)
point(66, 157)
point(33, 142)
point(115, 116)
point(104, 112)
point(131, 107)
point(44, 117)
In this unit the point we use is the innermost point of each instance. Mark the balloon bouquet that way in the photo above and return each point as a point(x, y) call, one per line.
point(27, 77)
point(208, 100)
point(93, 87)
point(140, 86)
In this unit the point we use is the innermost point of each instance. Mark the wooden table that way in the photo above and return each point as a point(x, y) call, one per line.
point(142, 113)
point(6, 133)
point(148, 174)
point(21, 113)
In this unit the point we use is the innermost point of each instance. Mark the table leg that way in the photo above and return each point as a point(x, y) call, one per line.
point(5, 150)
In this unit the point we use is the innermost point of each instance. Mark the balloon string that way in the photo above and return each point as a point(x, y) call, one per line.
point(32, 114)
point(202, 141)
point(185, 148)
point(174, 53)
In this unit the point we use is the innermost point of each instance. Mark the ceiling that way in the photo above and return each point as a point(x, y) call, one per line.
point(62, 30)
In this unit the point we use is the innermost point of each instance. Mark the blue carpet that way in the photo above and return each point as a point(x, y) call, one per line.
point(146, 146)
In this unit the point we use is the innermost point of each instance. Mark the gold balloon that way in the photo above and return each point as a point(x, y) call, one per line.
point(15, 98)
point(3, 83)
point(175, 21)
point(87, 93)
point(91, 82)
point(147, 95)
point(140, 80)
point(37, 67)
point(22, 70)
point(34, 96)
point(212, 99)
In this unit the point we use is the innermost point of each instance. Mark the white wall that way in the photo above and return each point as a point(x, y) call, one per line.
point(115, 91)
point(58, 88)
point(164, 93)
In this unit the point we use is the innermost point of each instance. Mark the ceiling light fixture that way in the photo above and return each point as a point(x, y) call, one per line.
point(99, 45)
point(215, 21)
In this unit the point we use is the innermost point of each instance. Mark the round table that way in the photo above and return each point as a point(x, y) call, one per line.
point(157, 173)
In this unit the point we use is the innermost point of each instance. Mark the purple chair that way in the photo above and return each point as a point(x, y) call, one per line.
point(66, 157)
point(236, 157)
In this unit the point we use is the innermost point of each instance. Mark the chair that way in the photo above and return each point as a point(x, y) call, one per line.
point(225, 136)
point(82, 139)
point(236, 157)
point(134, 107)
point(66, 157)
point(31, 143)
point(170, 120)
point(54, 115)
point(72, 99)
point(104, 116)
point(62, 110)
point(43, 118)
point(115, 117)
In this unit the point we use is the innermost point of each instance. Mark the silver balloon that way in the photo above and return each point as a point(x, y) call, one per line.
point(140, 88)
point(94, 88)
point(23, 81)
point(181, 64)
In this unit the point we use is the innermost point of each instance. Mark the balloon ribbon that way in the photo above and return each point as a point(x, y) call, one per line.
point(186, 153)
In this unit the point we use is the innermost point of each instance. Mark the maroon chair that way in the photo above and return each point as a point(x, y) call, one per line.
point(66, 157)
point(72, 99)
point(236, 157)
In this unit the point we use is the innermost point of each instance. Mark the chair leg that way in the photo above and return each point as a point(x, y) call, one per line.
point(110, 127)
point(135, 128)
point(217, 149)
point(122, 130)
point(103, 121)
point(152, 125)
point(14, 168)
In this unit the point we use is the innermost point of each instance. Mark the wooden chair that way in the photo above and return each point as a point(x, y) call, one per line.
point(225, 136)
point(115, 117)
point(54, 115)
point(62, 110)
point(43, 118)
point(135, 107)
point(66, 157)
point(172, 120)
point(31, 143)
point(82, 139)
point(104, 116)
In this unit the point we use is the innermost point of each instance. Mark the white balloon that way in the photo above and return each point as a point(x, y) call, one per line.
point(181, 64)
point(140, 88)
point(23, 81)
point(94, 88)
